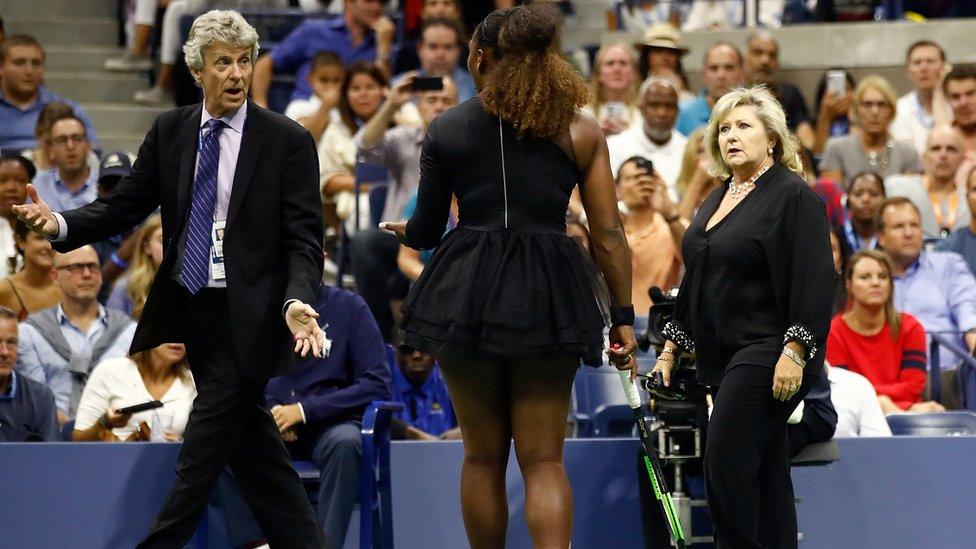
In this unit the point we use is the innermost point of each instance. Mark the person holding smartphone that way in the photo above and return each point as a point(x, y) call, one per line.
point(654, 229)
point(374, 253)
point(160, 374)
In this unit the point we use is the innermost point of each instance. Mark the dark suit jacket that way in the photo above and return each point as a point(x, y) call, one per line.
point(273, 242)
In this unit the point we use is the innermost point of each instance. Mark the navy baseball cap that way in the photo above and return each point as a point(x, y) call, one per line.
point(117, 164)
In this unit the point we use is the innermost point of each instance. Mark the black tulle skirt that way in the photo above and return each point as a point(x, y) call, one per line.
point(508, 294)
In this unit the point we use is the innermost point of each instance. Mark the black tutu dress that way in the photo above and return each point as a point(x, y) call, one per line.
point(506, 282)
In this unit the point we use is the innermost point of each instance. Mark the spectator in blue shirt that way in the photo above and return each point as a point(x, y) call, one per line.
point(27, 411)
point(23, 95)
point(363, 33)
point(937, 288)
point(722, 71)
point(60, 346)
point(428, 413)
point(963, 240)
point(439, 50)
point(71, 183)
point(319, 406)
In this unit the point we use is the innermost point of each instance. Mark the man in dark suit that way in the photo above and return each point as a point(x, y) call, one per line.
point(238, 191)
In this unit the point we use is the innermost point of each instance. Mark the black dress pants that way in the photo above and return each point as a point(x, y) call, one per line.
point(378, 278)
point(747, 461)
point(230, 424)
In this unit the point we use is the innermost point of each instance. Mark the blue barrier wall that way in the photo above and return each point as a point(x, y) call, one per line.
point(883, 493)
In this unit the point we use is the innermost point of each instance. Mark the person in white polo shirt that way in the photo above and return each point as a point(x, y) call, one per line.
point(655, 139)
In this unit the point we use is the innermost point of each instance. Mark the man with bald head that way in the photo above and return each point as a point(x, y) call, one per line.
point(656, 139)
point(721, 70)
point(60, 346)
point(941, 160)
point(762, 66)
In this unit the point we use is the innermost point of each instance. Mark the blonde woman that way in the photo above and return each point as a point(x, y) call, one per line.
point(129, 293)
point(755, 306)
point(872, 147)
point(614, 88)
point(694, 182)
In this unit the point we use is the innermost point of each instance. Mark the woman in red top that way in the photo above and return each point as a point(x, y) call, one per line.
point(873, 339)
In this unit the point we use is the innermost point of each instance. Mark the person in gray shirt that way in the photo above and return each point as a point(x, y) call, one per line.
point(872, 148)
point(374, 252)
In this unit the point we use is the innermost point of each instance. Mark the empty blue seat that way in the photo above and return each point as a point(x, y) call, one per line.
point(940, 424)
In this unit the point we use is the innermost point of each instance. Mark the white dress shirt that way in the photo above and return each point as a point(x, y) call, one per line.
point(858, 411)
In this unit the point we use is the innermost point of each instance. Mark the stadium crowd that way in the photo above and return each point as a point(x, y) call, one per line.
point(897, 175)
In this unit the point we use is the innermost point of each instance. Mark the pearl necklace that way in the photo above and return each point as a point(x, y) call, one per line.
point(738, 191)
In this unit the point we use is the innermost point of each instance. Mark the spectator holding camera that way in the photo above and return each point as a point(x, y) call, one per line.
point(834, 97)
point(27, 410)
point(654, 229)
point(374, 252)
point(161, 373)
point(614, 88)
point(873, 339)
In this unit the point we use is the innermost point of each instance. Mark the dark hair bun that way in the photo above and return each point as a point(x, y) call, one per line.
point(529, 29)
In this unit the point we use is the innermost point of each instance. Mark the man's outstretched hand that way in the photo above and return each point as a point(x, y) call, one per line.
point(37, 215)
point(305, 330)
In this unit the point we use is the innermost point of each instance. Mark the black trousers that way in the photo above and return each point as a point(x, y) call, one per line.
point(230, 424)
point(747, 461)
point(378, 278)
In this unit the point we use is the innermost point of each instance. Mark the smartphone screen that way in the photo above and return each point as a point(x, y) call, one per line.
point(428, 83)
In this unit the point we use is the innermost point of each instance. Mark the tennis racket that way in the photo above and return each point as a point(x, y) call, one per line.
point(652, 463)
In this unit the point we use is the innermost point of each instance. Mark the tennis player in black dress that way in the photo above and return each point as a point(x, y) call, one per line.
point(754, 305)
point(509, 304)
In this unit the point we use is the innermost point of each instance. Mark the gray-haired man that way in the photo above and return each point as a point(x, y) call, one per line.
point(238, 191)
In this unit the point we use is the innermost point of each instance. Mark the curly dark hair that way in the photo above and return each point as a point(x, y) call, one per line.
point(531, 86)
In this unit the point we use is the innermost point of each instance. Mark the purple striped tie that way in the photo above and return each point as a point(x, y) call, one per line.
point(196, 250)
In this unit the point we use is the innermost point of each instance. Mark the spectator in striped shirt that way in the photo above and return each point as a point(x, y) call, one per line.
point(871, 338)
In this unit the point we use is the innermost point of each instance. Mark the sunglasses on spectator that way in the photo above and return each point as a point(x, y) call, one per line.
point(78, 268)
point(77, 139)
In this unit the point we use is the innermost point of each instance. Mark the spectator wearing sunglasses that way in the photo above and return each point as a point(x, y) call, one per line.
point(428, 413)
point(61, 345)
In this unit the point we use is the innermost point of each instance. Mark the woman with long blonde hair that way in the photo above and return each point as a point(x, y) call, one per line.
point(129, 293)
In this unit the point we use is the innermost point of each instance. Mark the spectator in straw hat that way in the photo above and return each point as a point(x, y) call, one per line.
point(660, 55)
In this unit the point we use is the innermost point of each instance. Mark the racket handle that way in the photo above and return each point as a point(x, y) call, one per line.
point(633, 397)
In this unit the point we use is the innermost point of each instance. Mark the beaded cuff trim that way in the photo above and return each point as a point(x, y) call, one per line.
point(679, 336)
point(803, 336)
